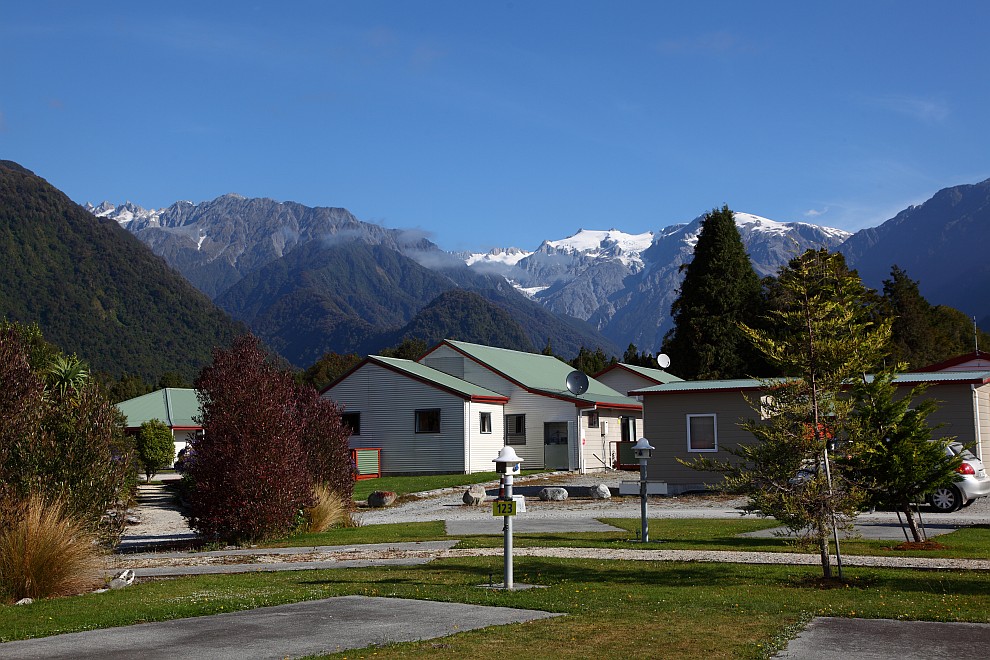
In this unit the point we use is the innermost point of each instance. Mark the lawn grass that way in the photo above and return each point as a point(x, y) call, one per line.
point(419, 484)
point(615, 609)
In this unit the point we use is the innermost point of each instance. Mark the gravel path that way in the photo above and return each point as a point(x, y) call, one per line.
point(161, 520)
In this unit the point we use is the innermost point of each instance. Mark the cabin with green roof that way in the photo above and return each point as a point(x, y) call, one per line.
point(453, 409)
point(547, 425)
point(177, 407)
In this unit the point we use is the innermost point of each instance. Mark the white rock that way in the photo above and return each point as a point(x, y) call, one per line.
point(553, 494)
point(600, 492)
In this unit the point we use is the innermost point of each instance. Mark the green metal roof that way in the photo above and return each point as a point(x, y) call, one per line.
point(432, 376)
point(658, 375)
point(910, 378)
point(175, 406)
point(543, 374)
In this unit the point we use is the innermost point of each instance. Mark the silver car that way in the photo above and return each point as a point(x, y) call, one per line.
point(971, 483)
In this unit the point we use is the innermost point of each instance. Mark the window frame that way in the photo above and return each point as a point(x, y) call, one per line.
point(419, 417)
point(513, 437)
point(593, 419)
point(354, 428)
point(483, 427)
point(714, 418)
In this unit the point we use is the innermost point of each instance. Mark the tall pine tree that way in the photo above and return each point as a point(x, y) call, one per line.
point(720, 291)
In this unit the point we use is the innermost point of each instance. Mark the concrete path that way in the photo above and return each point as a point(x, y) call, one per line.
point(883, 639)
point(284, 631)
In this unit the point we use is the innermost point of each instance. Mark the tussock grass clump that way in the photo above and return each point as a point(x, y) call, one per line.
point(45, 552)
point(329, 510)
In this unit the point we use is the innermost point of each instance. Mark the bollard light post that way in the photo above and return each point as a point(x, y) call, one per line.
point(507, 464)
point(643, 450)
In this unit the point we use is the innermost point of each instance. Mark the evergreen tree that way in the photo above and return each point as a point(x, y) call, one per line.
point(914, 339)
point(720, 290)
point(328, 369)
point(825, 334)
point(924, 334)
point(892, 450)
point(592, 362)
point(410, 348)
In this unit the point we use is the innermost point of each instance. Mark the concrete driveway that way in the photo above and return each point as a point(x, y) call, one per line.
point(285, 631)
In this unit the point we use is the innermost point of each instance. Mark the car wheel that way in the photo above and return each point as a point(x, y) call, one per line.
point(946, 499)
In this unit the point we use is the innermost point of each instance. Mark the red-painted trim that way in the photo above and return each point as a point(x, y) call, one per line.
point(953, 361)
point(489, 399)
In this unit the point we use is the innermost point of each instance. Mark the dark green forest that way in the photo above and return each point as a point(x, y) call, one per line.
point(97, 291)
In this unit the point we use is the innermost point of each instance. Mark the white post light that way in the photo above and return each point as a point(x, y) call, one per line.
point(643, 450)
point(507, 464)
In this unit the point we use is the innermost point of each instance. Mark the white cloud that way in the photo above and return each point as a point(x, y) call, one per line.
point(929, 110)
point(814, 213)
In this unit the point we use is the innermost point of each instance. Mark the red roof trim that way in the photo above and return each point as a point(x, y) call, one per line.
point(489, 399)
point(953, 361)
point(625, 367)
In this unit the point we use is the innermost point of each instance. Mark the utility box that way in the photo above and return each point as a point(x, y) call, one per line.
point(652, 488)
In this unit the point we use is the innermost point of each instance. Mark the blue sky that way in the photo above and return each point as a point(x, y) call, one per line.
point(503, 123)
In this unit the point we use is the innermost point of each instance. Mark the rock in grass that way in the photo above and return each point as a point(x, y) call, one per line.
point(553, 494)
point(475, 495)
point(381, 498)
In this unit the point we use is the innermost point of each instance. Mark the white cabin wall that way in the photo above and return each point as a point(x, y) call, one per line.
point(387, 402)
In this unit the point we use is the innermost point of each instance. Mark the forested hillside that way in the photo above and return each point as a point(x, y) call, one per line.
point(96, 290)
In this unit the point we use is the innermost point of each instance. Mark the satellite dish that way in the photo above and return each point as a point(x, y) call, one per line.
point(577, 383)
point(663, 361)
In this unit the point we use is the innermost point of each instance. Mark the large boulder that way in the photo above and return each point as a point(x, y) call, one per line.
point(600, 492)
point(381, 498)
point(553, 494)
point(475, 495)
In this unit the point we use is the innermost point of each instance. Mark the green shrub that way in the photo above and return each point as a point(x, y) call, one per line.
point(155, 447)
point(63, 439)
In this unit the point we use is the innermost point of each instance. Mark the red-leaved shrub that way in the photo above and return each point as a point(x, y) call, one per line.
point(266, 443)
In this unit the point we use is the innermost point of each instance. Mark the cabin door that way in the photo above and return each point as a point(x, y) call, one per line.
point(555, 445)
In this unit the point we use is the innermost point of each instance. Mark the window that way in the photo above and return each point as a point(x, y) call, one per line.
point(593, 419)
point(428, 421)
point(352, 420)
point(628, 429)
point(701, 433)
point(515, 429)
point(486, 422)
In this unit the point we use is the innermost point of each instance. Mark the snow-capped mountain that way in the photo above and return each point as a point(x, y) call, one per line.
point(624, 283)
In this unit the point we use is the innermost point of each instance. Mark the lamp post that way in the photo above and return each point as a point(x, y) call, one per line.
point(507, 464)
point(643, 450)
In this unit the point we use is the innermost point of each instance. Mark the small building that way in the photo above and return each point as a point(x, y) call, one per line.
point(623, 377)
point(177, 407)
point(423, 420)
point(687, 419)
point(470, 399)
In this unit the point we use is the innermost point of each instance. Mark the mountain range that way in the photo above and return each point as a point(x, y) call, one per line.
point(309, 280)
point(314, 279)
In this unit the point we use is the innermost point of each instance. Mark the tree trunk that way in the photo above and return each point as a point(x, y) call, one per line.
point(823, 549)
point(912, 522)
